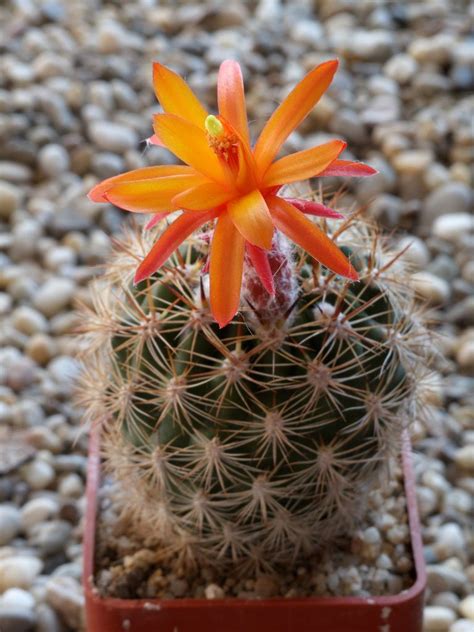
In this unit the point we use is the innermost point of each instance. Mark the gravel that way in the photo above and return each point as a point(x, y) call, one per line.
point(76, 102)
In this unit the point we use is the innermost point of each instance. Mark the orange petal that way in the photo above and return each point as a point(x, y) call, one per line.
point(171, 239)
point(203, 197)
point(97, 193)
point(311, 238)
point(250, 215)
point(348, 168)
point(292, 111)
point(145, 196)
point(190, 144)
point(303, 164)
point(259, 259)
point(226, 266)
point(176, 97)
point(231, 97)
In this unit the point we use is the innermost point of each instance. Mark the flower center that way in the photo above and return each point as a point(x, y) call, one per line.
point(223, 141)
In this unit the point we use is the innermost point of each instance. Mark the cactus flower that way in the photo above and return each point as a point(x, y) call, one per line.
point(227, 181)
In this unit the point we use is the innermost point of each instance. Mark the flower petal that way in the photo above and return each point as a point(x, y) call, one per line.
point(97, 193)
point(153, 195)
point(303, 164)
point(250, 215)
point(311, 238)
point(226, 267)
point(231, 97)
point(292, 111)
point(348, 168)
point(176, 97)
point(314, 208)
point(259, 259)
point(190, 144)
point(171, 239)
point(203, 197)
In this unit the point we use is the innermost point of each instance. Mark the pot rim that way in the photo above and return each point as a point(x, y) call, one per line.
point(389, 601)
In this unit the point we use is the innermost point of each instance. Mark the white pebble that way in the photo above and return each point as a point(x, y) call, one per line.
point(112, 136)
point(416, 253)
point(17, 598)
point(53, 159)
point(431, 287)
point(437, 619)
point(18, 571)
point(453, 226)
point(466, 607)
point(9, 523)
point(38, 474)
point(38, 510)
point(54, 295)
point(462, 625)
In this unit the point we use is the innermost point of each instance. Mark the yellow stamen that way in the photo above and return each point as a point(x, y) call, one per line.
point(213, 126)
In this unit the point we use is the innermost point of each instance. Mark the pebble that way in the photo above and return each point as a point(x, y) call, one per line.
point(18, 571)
point(64, 594)
point(466, 607)
point(112, 136)
point(38, 510)
point(462, 625)
point(437, 619)
point(54, 296)
point(431, 288)
point(416, 251)
point(53, 160)
point(442, 578)
point(38, 474)
point(453, 226)
point(10, 198)
point(464, 457)
point(213, 591)
point(16, 619)
point(401, 68)
point(50, 537)
point(452, 197)
point(29, 321)
point(9, 523)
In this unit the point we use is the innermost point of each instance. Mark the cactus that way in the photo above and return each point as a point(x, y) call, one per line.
point(254, 444)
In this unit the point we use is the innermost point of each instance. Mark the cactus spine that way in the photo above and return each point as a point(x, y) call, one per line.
point(253, 444)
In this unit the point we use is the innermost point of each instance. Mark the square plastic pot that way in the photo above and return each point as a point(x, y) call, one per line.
point(396, 613)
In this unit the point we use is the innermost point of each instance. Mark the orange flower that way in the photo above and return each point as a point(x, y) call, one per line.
point(226, 181)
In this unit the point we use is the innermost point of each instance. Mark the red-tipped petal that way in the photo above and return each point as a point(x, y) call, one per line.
point(250, 215)
point(291, 112)
point(155, 140)
point(303, 164)
point(169, 241)
point(156, 219)
point(176, 97)
point(259, 259)
point(231, 97)
point(226, 267)
point(314, 208)
point(97, 193)
point(348, 169)
point(311, 238)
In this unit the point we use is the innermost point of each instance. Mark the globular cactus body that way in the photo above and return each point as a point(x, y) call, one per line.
point(255, 443)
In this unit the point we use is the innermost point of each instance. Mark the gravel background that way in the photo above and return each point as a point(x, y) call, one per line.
point(75, 105)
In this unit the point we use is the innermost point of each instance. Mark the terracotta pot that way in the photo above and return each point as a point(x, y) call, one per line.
point(398, 613)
